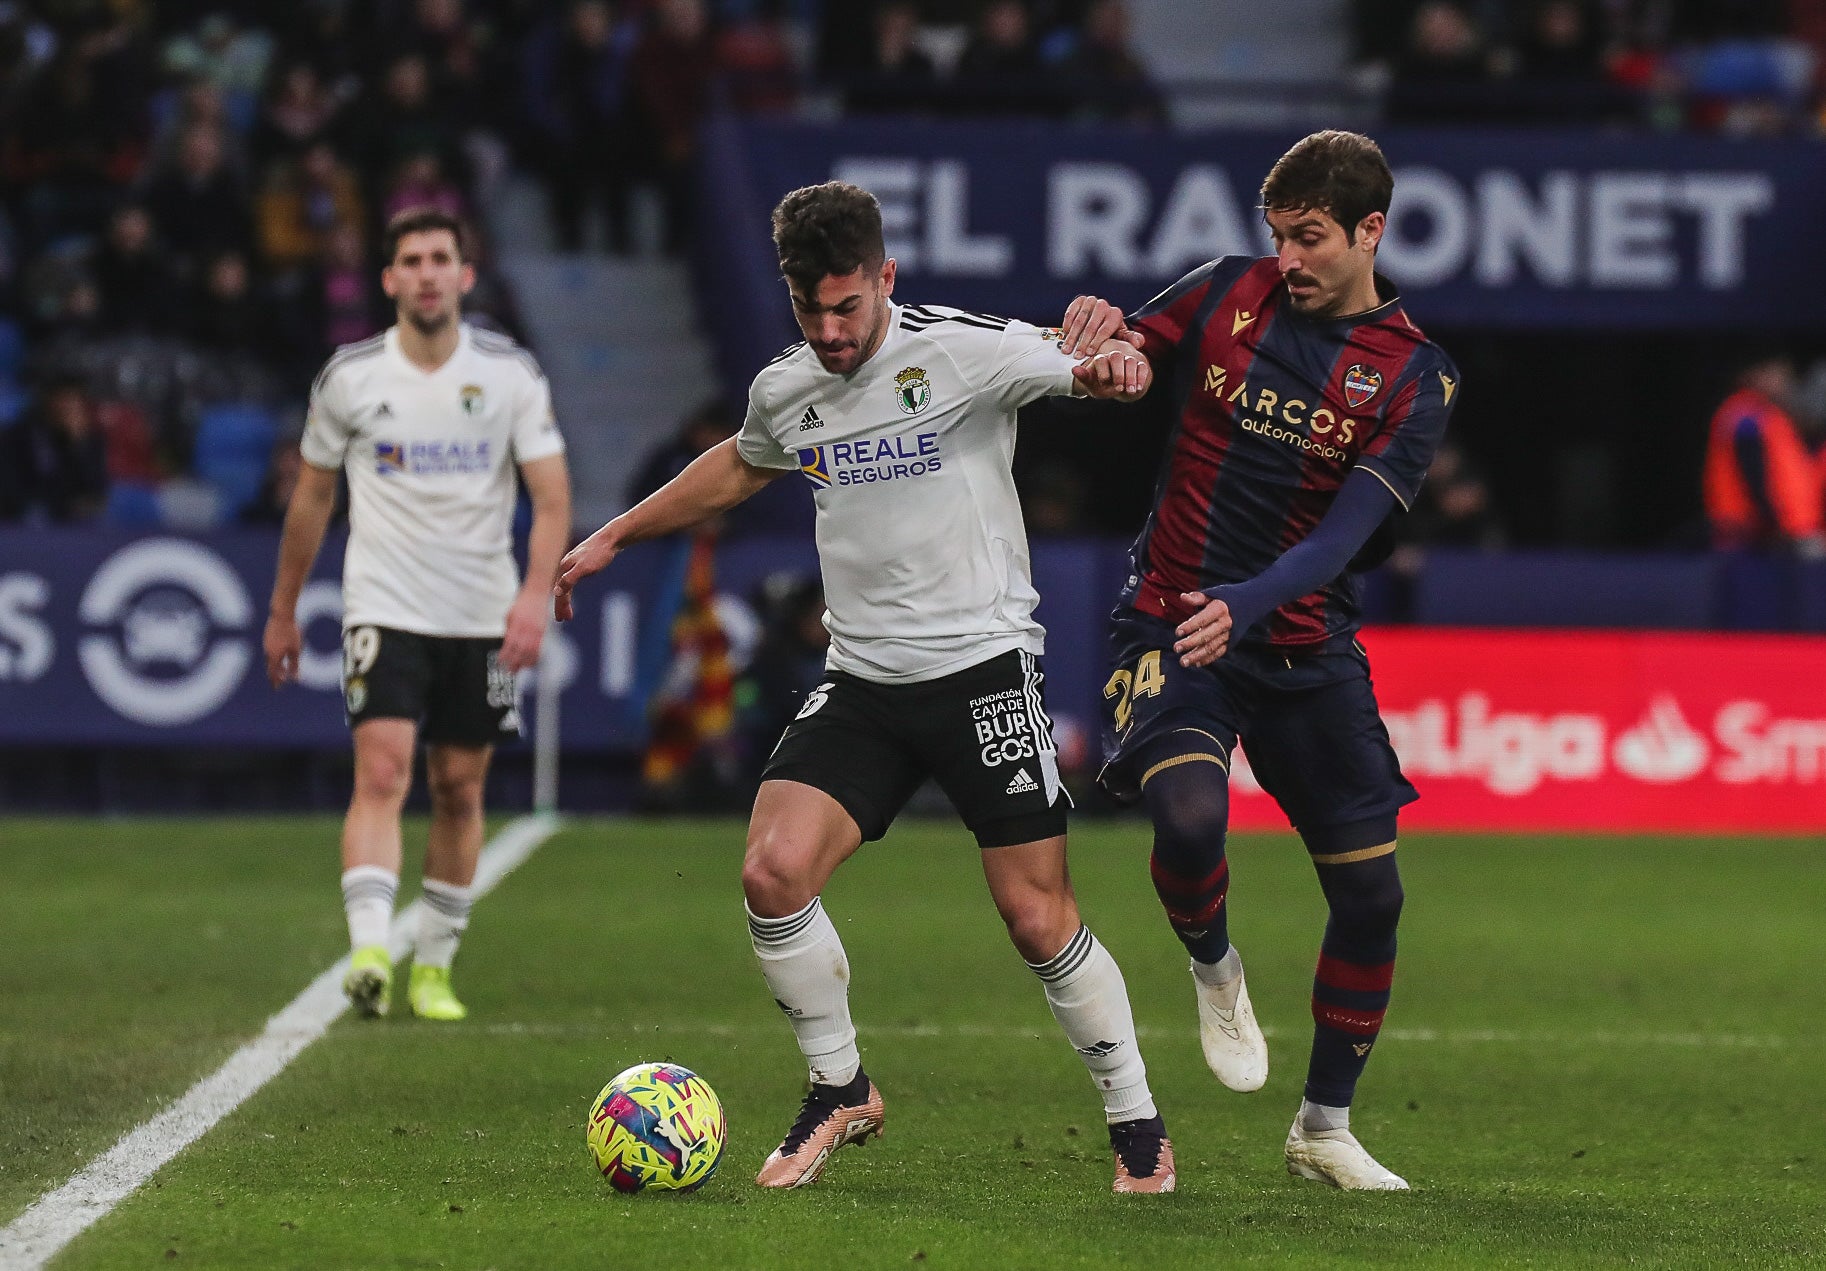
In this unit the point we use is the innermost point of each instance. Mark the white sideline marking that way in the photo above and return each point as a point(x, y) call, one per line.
point(1450, 1036)
point(58, 1217)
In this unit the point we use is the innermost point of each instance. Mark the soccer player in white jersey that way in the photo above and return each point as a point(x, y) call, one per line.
point(904, 421)
point(430, 420)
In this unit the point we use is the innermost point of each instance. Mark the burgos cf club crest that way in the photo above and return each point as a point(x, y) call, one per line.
point(912, 390)
point(1360, 384)
point(472, 398)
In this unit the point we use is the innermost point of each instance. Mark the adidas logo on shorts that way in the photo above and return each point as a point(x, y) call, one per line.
point(1022, 783)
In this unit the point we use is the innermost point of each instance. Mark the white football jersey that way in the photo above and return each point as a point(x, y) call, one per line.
point(431, 458)
point(919, 529)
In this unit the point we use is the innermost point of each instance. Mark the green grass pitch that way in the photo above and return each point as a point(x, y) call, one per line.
point(1601, 1052)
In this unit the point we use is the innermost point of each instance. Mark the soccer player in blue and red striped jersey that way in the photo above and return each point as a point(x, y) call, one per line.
point(1309, 407)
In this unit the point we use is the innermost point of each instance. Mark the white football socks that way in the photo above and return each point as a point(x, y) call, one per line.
point(367, 898)
point(1316, 1118)
point(809, 976)
point(1223, 971)
point(441, 922)
point(1085, 990)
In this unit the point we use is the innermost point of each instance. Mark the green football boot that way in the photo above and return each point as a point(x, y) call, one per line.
point(430, 995)
point(369, 982)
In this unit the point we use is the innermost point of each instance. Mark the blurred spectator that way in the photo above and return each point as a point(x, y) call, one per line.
point(1444, 72)
point(670, 80)
point(197, 102)
point(300, 114)
point(405, 119)
point(897, 77)
point(350, 309)
point(1453, 508)
point(703, 428)
point(78, 134)
point(306, 199)
point(269, 505)
point(441, 32)
point(138, 290)
point(787, 665)
point(576, 86)
point(1106, 80)
point(1762, 478)
point(420, 181)
point(229, 316)
point(754, 62)
point(1000, 72)
point(232, 57)
point(1054, 502)
point(57, 457)
point(198, 205)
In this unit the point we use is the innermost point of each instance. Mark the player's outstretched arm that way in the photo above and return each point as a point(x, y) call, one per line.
point(548, 487)
point(307, 516)
point(1227, 611)
point(716, 481)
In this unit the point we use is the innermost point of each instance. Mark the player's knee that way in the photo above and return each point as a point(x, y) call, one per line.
point(1189, 803)
point(382, 776)
point(1039, 922)
point(775, 879)
point(1367, 897)
point(456, 795)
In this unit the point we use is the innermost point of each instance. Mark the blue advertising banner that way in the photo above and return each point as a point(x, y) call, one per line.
point(1491, 228)
point(116, 640)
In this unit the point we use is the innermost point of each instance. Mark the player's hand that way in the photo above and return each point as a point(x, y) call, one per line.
point(591, 556)
point(283, 644)
point(1205, 636)
point(525, 633)
point(1090, 322)
point(1116, 373)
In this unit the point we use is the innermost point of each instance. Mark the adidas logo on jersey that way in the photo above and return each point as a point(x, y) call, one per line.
point(384, 411)
point(809, 420)
point(1022, 783)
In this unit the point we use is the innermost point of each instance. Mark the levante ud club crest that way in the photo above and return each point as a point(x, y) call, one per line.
point(1360, 384)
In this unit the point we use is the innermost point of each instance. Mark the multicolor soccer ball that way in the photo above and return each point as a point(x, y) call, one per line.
point(657, 1126)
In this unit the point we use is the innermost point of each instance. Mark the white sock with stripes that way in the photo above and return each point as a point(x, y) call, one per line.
point(809, 976)
point(1085, 990)
point(441, 922)
point(367, 898)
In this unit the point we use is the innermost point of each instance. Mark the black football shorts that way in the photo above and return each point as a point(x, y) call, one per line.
point(455, 685)
point(982, 733)
point(1314, 735)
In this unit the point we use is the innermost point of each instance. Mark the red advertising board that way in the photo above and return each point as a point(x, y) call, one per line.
point(1597, 730)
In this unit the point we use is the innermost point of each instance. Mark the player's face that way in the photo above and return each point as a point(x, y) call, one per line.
point(845, 318)
point(428, 279)
point(1328, 271)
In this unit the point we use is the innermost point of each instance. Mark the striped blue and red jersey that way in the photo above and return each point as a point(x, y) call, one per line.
point(1274, 411)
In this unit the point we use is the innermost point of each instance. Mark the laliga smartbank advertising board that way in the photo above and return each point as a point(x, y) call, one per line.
point(1505, 730)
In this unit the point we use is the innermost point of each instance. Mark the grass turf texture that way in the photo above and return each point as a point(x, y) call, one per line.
point(1601, 1051)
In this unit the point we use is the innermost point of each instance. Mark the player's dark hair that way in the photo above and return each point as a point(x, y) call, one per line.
point(825, 230)
point(1342, 174)
point(420, 220)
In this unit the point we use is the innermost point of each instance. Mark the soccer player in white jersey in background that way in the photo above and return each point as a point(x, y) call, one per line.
point(430, 420)
point(904, 421)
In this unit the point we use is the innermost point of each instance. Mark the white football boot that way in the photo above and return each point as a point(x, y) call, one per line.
point(1335, 1157)
point(1232, 1041)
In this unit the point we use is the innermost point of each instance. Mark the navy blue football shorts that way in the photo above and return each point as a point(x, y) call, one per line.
point(1310, 723)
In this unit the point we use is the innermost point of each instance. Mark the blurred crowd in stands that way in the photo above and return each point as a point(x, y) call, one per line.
point(1743, 67)
point(191, 190)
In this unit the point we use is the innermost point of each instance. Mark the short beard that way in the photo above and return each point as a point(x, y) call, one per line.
point(429, 326)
